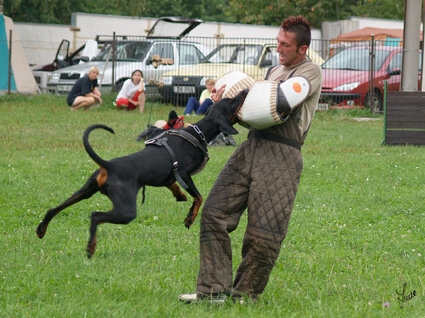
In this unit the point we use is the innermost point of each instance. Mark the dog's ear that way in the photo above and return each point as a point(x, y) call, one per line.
point(237, 103)
point(222, 112)
point(225, 126)
point(229, 108)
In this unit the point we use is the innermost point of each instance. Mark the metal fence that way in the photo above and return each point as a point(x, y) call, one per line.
point(39, 53)
point(374, 65)
point(45, 53)
point(355, 72)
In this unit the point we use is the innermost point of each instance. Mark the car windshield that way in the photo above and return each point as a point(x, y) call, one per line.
point(235, 53)
point(189, 54)
point(356, 60)
point(129, 51)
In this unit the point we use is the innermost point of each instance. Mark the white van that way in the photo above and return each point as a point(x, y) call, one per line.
point(154, 54)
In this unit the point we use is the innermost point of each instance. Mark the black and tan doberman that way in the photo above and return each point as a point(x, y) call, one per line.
point(167, 160)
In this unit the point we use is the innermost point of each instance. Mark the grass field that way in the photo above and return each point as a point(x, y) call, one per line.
point(355, 242)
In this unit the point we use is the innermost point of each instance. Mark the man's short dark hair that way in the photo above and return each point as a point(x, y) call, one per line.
point(300, 26)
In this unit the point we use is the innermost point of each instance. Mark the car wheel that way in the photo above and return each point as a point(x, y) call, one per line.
point(118, 85)
point(374, 102)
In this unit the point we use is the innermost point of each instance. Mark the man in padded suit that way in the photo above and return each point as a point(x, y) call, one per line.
point(262, 175)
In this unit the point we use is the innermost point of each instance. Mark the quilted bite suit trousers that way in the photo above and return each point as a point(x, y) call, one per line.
point(262, 176)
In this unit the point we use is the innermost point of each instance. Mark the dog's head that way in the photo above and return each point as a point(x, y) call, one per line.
point(225, 112)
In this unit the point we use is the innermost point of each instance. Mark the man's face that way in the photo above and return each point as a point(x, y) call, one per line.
point(288, 50)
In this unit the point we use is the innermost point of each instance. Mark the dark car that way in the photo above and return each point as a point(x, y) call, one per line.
point(346, 77)
point(64, 58)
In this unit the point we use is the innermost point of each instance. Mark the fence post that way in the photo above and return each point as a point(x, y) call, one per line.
point(114, 58)
point(384, 141)
point(372, 75)
point(9, 72)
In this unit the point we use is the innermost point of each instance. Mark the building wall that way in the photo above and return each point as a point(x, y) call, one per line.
point(378, 23)
point(332, 29)
point(92, 24)
point(42, 40)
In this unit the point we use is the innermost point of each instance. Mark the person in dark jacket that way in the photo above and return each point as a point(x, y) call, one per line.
point(84, 93)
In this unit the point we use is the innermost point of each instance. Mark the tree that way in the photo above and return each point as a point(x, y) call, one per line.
point(267, 12)
point(54, 11)
point(385, 9)
point(27, 10)
point(272, 12)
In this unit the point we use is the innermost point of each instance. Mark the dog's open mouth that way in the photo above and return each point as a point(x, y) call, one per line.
point(235, 118)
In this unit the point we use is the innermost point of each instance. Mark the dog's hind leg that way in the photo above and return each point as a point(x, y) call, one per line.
point(85, 192)
point(177, 192)
point(193, 212)
point(123, 212)
point(197, 201)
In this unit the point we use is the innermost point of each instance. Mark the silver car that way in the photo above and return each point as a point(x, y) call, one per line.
point(154, 55)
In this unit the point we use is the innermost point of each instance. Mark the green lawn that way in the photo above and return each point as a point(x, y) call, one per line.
point(356, 236)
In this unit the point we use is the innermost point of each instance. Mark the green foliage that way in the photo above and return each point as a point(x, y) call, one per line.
point(267, 12)
point(389, 9)
point(273, 12)
point(41, 11)
point(355, 238)
point(53, 11)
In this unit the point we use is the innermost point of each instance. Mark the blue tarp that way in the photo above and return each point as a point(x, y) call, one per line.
point(4, 59)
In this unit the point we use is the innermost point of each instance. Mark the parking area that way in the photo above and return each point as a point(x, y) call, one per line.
point(354, 72)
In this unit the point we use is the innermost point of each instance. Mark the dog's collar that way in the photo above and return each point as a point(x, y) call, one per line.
point(199, 132)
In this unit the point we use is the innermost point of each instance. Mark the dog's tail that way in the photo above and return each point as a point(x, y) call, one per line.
point(101, 162)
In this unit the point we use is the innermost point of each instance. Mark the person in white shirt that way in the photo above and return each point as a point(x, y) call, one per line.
point(132, 93)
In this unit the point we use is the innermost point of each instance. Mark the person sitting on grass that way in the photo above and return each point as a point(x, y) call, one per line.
point(84, 93)
point(132, 93)
point(201, 106)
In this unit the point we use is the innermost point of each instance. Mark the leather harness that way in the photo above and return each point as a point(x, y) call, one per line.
point(161, 140)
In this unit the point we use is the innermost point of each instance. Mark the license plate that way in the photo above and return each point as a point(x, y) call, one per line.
point(184, 89)
point(64, 88)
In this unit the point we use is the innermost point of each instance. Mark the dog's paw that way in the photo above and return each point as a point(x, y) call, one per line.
point(181, 197)
point(41, 230)
point(91, 247)
point(188, 222)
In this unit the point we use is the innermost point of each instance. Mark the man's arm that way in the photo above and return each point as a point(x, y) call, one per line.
point(217, 94)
